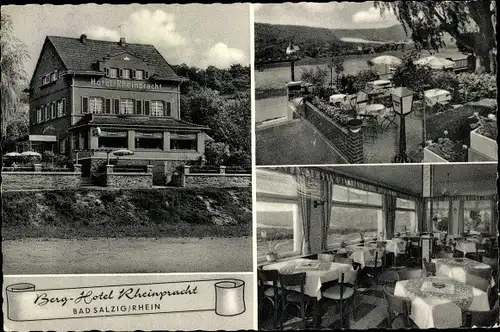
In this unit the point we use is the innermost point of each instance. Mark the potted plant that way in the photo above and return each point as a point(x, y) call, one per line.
point(362, 236)
point(272, 252)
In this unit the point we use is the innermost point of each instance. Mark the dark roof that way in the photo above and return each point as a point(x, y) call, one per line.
point(135, 121)
point(77, 56)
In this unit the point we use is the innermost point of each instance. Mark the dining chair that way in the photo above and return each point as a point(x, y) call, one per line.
point(480, 279)
point(269, 291)
point(373, 268)
point(404, 274)
point(326, 257)
point(293, 298)
point(340, 293)
point(481, 250)
point(402, 307)
point(481, 318)
point(389, 278)
point(429, 268)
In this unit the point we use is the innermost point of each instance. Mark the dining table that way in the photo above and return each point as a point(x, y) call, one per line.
point(459, 269)
point(363, 254)
point(466, 245)
point(338, 98)
point(438, 302)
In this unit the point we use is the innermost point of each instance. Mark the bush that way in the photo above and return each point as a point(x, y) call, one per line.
point(474, 87)
point(363, 77)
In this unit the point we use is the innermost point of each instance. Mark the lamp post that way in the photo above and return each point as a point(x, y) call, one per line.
point(292, 51)
point(402, 101)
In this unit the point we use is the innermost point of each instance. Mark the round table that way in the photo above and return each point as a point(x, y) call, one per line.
point(373, 110)
point(436, 307)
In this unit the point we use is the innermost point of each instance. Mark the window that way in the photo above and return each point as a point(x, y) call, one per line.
point(62, 145)
point(168, 106)
point(126, 106)
point(353, 212)
point(113, 72)
point(138, 107)
point(146, 140)
point(405, 216)
point(38, 115)
point(42, 113)
point(60, 109)
point(45, 79)
point(440, 216)
point(53, 110)
point(156, 108)
point(125, 73)
point(107, 106)
point(276, 183)
point(95, 105)
point(113, 139)
point(53, 76)
point(183, 141)
point(278, 228)
point(85, 105)
point(477, 216)
point(76, 141)
point(139, 74)
point(116, 106)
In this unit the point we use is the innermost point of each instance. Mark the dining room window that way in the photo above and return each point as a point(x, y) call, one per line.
point(477, 216)
point(406, 216)
point(355, 213)
point(440, 216)
point(126, 106)
point(278, 217)
point(95, 105)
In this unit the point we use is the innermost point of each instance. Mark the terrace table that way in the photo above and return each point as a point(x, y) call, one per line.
point(434, 96)
point(433, 307)
point(459, 268)
point(338, 98)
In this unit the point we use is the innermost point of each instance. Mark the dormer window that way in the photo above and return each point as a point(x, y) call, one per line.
point(53, 76)
point(45, 79)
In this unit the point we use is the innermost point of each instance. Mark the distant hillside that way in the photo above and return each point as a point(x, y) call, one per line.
point(271, 40)
point(392, 33)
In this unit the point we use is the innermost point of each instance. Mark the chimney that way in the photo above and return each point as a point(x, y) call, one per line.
point(122, 41)
point(83, 38)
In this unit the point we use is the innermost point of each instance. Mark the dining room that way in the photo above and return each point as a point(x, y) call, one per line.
point(378, 246)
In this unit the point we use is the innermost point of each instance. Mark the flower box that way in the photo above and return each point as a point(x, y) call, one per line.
point(484, 145)
point(431, 157)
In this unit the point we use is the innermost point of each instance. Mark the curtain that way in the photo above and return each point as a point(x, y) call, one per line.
point(327, 212)
point(389, 207)
point(494, 217)
point(305, 213)
point(460, 219)
point(420, 212)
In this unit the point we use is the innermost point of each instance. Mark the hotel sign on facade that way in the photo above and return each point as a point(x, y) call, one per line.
point(123, 84)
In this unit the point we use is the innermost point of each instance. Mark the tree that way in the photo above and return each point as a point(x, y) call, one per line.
point(13, 80)
point(316, 76)
point(338, 65)
point(217, 153)
point(428, 20)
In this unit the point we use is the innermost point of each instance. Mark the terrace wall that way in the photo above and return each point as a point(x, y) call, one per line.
point(129, 180)
point(217, 180)
point(347, 143)
point(38, 179)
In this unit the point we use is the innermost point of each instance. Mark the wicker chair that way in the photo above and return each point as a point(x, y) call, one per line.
point(291, 298)
point(269, 293)
point(402, 307)
point(481, 318)
point(429, 268)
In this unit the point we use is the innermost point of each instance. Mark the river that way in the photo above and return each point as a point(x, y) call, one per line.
point(127, 255)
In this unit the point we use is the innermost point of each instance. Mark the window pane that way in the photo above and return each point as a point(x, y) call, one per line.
point(347, 223)
point(95, 105)
point(113, 72)
point(276, 183)
point(405, 222)
point(404, 203)
point(277, 228)
point(477, 216)
point(156, 108)
point(126, 106)
point(138, 74)
point(351, 195)
point(440, 212)
point(149, 140)
point(126, 73)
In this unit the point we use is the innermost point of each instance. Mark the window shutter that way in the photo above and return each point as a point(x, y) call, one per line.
point(107, 72)
point(168, 109)
point(107, 106)
point(133, 73)
point(63, 106)
point(146, 74)
point(146, 107)
point(85, 104)
point(139, 107)
point(117, 106)
point(42, 114)
point(120, 72)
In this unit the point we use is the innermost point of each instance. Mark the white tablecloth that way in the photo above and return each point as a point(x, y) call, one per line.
point(396, 246)
point(459, 273)
point(434, 96)
point(338, 98)
point(364, 254)
point(314, 278)
point(466, 246)
point(435, 312)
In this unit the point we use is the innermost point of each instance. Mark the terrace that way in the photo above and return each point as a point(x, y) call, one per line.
point(382, 234)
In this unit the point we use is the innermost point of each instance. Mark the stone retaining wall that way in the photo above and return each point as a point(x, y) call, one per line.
point(129, 180)
point(42, 180)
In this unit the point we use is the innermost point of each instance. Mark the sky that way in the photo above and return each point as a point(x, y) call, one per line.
point(333, 15)
point(198, 35)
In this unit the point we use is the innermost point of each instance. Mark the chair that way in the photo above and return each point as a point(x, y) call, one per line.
point(271, 293)
point(429, 268)
point(373, 268)
point(370, 126)
point(481, 251)
point(293, 298)
point(404, 274)
point(389, 278)
point(340, 293)
point(481, 318)
point(326, 257)
point(480, 279)
point(402, 307)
